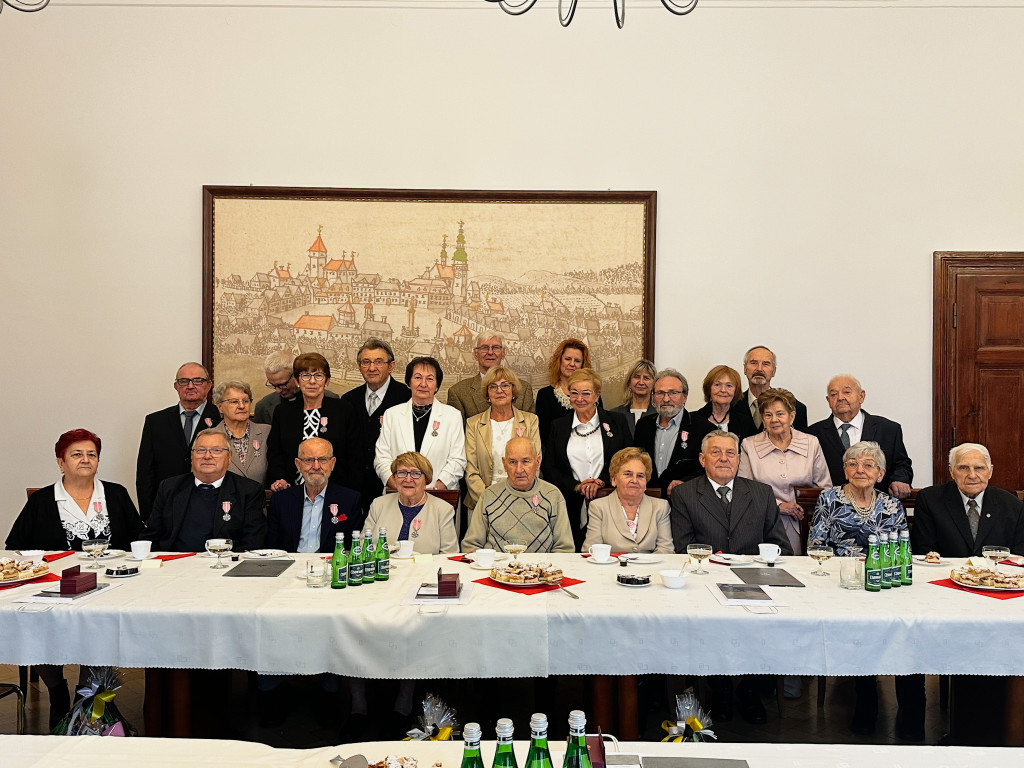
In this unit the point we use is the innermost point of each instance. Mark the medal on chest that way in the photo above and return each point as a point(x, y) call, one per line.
point(334, 514)
point(416, 524)
point(434, 426)
point(226, 506)
point(323, 425)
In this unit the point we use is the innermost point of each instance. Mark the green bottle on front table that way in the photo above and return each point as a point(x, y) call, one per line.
point(504, 757)
point(471, 750)
point(873, 566)
point(538, 756)
point(369, 558)
point(576, 753)
point(885, 555)
point(355, 562)
point(384, 558)
point(906, 559)
point(895, 560)
point(339, 563)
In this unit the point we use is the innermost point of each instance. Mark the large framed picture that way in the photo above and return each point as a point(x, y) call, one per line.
point(426, 270)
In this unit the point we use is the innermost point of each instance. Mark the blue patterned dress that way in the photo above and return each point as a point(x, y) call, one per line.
point(838, 524)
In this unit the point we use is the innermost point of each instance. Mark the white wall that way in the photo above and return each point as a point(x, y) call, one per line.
point(808, 162)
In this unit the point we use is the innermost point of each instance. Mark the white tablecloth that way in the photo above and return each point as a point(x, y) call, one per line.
point(186, 615)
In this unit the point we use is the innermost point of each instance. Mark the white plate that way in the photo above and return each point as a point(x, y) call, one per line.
point(27, 553)
point(21, 579)
point(609, 561)
point(135, 559)
point(110, 554)
point(478, 567)
point(264, 554)
point(498, 556)
point(643, 559)
point(778, 560)
point(985, 589)
point(732, 559)
point(633, 585)
point(522, 586)
point(396, 557)
point(919, 560)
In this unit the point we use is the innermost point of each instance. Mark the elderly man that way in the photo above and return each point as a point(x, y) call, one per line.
point(522, 509)
point(208, 502)
point(167, 435)
point(849, 425)
point(466, 395)
point(306, 517)
point(367, 404)
point(759, 366)
point(281, 379)
point(665, 435)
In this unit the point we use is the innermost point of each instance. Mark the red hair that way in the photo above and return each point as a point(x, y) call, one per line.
point(75, 436)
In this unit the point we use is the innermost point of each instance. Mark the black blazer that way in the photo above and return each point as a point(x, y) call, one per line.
point(286, 435)
point(799, 418)
point(741, 423)
point(39, 527)
point(888, 434)
point(363, 444)
point(556, 468)
point(683, 464)
point(548, 410)
point(697, 516)
point(940, 522)
point(284, 520)
point(247, 527)
point(163, 452)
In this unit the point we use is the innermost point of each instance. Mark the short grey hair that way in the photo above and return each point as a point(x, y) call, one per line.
point(278, 362)
point(746, 355)
point(215, 432)
point(222, 389)
point(206, 373)
point(665, 373)
point(485, 335)
point(956, 451)
point(850, 376)
point(868, 448)
point(719, 433)
point(374, 343)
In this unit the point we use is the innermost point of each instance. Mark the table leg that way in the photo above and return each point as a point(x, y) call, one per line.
point(1013, 727)
point(604, 704)
point(627, 708)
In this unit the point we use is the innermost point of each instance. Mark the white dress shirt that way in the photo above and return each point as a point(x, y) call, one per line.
point(585, 454)
point(855, 430)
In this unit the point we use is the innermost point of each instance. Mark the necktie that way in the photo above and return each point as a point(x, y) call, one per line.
point(373, 403)
point(189, 418)
point(756, 414)
point(845, 437)
point(973, 515)
point(723, 492)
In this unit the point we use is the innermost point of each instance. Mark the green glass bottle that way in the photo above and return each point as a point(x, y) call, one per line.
point(369, 558)
point(383, 556)
point(339, 563)
point(873, 566)
point(471, 746)
point(895, 560)
point(906, 559)
point(355, 562)
point(504, 757)
point(538, 756)
point(885, 555)
point(576, 753)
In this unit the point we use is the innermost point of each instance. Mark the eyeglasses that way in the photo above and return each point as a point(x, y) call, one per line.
point(268, 385)
point(324, 460)
point(415, 474)
point(854, 464)
point(489, 348)
point(317, 376)
point(236, 401)
point(668, 393)
point(381, 363)
point(502, 386)
point(580, 393)
point(213, 451)
point(198, 381)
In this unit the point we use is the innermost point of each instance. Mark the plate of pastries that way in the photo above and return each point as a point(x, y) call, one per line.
point(13, 571)
point(986, 579)
point(520, 574)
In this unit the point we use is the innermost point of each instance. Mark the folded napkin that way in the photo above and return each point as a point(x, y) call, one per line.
point(460, 559)
point(37, 580)
point(614, 555)
point(168, 558)
point(1015, 560)
point(1008, 595)
point(57, 556)
point(566, 582)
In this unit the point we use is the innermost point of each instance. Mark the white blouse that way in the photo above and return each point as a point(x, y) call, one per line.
point(77, 524)
point(501, 433)
point(585, 449)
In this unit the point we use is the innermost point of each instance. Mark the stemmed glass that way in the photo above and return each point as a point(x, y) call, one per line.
point(218, 547)
point(821, 553)
point(700, 552)
point(95, 548)
point(995, 554)
point(515, 547)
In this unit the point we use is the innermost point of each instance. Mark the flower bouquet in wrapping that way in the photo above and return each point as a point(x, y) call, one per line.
point(692, 723)
point(437, 723)
point(96, 714)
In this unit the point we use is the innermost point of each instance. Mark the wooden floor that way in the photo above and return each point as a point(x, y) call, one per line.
point(485, 701)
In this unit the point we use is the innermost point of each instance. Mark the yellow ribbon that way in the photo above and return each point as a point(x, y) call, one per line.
point(443, 734)
point(99, 703)
point(668, 726)
point(695, 724)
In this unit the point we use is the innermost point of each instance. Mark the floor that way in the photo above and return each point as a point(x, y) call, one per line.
point(485, 701)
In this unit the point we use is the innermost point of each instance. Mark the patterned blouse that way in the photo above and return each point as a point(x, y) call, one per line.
point(837, 523)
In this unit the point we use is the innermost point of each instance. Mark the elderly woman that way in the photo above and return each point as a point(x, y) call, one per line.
point(247, 439)
point(553, 401)
point(723, 405)
point(784, 458)
point(412, 513)
point(487, 433)
point(311, 415)
point(580, 447)
point(63, 515)
point(636, 393)
point(629, 520)
point(425, 425)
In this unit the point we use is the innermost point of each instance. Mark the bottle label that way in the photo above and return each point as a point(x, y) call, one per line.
point(383, 568)
point(908, 573)
point(355, 573)
point(873, 577)
point(369, 570)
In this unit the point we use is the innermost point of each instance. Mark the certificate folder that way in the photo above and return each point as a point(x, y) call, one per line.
point(768, 577)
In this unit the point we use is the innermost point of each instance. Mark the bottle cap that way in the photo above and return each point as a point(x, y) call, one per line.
point(872, 538)
point(503, 728)
point(538, 722)
point(904, 534)
point(339, 537)
point(383, 530)
point(577, 719)
point(355, 535)
point(471, 732)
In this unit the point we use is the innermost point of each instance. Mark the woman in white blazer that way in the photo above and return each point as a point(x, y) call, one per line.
point(423, 425)
point(412, 513)
point(628, 520)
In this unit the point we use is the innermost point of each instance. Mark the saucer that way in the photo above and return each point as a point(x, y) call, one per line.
point(609, 561)
point(778, 560)
point(135, 559)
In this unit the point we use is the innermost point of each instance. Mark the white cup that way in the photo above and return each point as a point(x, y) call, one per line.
point(601, 553)
point(484, 557)
point(140, 549)
point(769, 552)
point(405, 548)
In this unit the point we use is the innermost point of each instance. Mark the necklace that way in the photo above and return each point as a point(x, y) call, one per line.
point(578, 429)
point(562, 398)
point(864, 511)
point(419, 411)
point(712, 419)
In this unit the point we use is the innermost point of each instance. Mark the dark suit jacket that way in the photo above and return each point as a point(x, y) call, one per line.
point(548, 410)
point(940, 522)
point(556, 468)
point(888, 434)
point(39, 527)
point(799, 418)
point(365, 431)
point(683, 464)
point(247, 528)
point(741, 423)
point(697, 516)
point(286, 434)
point(163, 451)
point(284, 520)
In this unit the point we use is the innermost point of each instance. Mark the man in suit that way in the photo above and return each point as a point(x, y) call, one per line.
point(367, 404)
point(466, 395)
point(849, 424)
point(208, 502)
point(167, 435)
point(759, 366)
point(281, 379)
point(665, 435)
point(306, 517)
point(733, 515)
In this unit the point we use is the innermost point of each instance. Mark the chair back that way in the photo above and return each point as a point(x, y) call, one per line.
point(30, 491)
point(445, 494)
point(653, 491)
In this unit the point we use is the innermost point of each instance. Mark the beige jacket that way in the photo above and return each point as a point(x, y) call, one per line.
point(479, 464)
point(435, 534)
point(607, 525)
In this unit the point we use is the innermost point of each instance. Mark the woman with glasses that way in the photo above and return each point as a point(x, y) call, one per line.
point(487, 433)
point(248, 440)
point(312, 414)
point(412, 513)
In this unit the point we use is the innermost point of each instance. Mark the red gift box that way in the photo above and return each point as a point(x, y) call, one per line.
point(74, 582)
point(447, 584)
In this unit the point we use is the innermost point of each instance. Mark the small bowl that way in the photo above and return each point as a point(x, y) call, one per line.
point(673, 579)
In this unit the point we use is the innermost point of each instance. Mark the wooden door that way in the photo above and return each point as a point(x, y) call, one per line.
point(979, 360)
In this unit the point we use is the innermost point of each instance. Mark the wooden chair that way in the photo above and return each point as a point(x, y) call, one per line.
point(654, 493)
point(1020, 495)
point(6, 689)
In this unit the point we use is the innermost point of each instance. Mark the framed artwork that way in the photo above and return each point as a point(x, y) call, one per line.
point(321, 270)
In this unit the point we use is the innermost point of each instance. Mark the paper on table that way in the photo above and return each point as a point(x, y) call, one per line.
point(54, 596)
point(411, 599)
point(427, 558)
point(773, 598)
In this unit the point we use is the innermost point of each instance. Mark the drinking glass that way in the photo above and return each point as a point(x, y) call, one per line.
point(821, 553)
point(95, 548)
point(218, 547)
point(700, 552)
point(995, 554)
point(317, 573)
point(515, 547)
